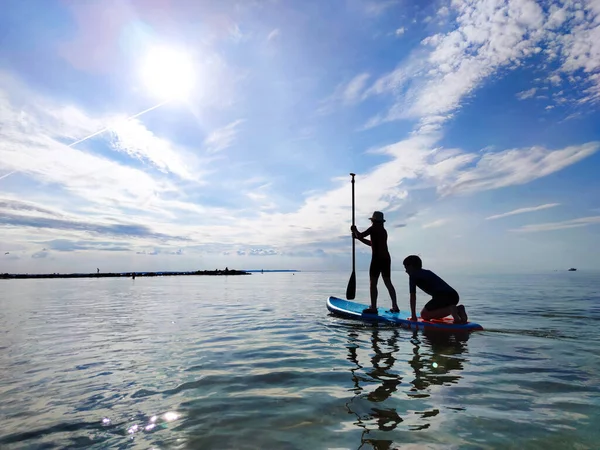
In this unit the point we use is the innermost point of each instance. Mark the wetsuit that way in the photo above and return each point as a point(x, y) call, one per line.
point(442, 293)
point(381, 261)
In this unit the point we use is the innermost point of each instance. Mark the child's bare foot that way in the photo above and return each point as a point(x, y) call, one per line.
point(394, 309)
point(462, 312)
point(456, 315)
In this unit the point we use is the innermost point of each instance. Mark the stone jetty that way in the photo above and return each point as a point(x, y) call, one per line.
point(11, 276)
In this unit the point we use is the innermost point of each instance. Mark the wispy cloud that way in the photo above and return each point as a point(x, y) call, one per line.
point(552, 226)
point(434, 83)
point(236, 33)
point(26, 207)
point(513, 167)
point(345, 94)
point(375, 8)
point(134, 139)
point(435, 223)
point(523, 210)
point(261, 195)
point(40, 254)
point(135, 184)
point(492, 35)
point(35, 144)
point(110, 229)
point(67, 245)
point(222, 138)
point(527, 94)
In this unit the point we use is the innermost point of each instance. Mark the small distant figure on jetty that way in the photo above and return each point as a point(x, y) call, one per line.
point(133, 276)
point(98, 270)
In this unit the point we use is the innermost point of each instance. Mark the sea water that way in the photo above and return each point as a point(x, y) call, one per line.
point(257, 362)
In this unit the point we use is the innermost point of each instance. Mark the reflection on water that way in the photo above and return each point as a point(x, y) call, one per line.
point(390, 376)
point(435, 356)
point(241, 363)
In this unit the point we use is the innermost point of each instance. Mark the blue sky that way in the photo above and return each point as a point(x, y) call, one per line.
point(473, 125)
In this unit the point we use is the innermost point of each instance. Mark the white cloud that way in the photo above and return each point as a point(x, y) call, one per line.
point(38, 121)
point(133, 138)
point(76, 186)
point(555, 79)
point(261, 195)
point(430, 85)
point(513, 167)
point(579, 49)
point(523, 210)
point(78, 172)
point(435, 223)
point(345, 94)
point(273, 34)
point(526, 94)
point(400, 31)
point(87, 176)
point(376, 8)
point(236, 33)
point(222, 138)
point(552, 226)
point(352, 91)
point(489, 36)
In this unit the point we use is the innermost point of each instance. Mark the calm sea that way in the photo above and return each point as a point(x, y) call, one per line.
point(256, 362)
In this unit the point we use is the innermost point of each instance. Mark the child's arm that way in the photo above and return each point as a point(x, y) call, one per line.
point(363, 240)
point(360, 236)
point(412, 289)
point(413, 306)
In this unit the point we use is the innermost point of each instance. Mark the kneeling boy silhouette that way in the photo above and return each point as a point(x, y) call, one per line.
point(444, 299)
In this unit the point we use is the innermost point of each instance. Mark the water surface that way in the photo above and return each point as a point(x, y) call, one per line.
point(249, 362)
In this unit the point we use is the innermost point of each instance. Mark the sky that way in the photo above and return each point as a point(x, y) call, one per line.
point(164, 135)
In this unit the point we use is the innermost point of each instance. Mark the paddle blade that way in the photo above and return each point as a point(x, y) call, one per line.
point(351, 289)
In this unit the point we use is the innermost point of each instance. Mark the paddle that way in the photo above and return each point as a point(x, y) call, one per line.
point(351, 289)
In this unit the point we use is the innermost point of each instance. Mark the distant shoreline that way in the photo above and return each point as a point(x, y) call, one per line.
point(10, 276)
point(14, 276)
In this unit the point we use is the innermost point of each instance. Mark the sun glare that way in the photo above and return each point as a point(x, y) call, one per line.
point(168, 73)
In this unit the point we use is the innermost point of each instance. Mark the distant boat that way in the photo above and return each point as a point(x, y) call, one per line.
point(572, 269)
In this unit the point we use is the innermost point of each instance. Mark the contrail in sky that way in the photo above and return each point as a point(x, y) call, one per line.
point(101, 131)
point(8, 174)
point(129, 118)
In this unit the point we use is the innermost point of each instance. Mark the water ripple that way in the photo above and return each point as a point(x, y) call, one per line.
point(242, 363)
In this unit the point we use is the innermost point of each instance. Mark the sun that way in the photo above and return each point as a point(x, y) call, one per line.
point(168, 73)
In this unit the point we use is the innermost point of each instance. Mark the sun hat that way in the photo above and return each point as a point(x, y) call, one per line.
point(377, 217)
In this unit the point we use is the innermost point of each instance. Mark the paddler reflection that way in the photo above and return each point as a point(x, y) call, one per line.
point(436, 359)
point(381, 378)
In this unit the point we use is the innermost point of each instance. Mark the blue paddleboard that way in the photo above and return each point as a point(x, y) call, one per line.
point(353, 310)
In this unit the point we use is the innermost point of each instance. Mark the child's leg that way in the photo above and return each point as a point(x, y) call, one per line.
point(386, 274)
point(462, 312)
point(373, 280)
point(441, 313)
point(442, 306)
point(392, 291)
point(374, 271)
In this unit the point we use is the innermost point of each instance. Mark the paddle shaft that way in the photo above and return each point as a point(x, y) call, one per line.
point(353, 239)
point(351, 289)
